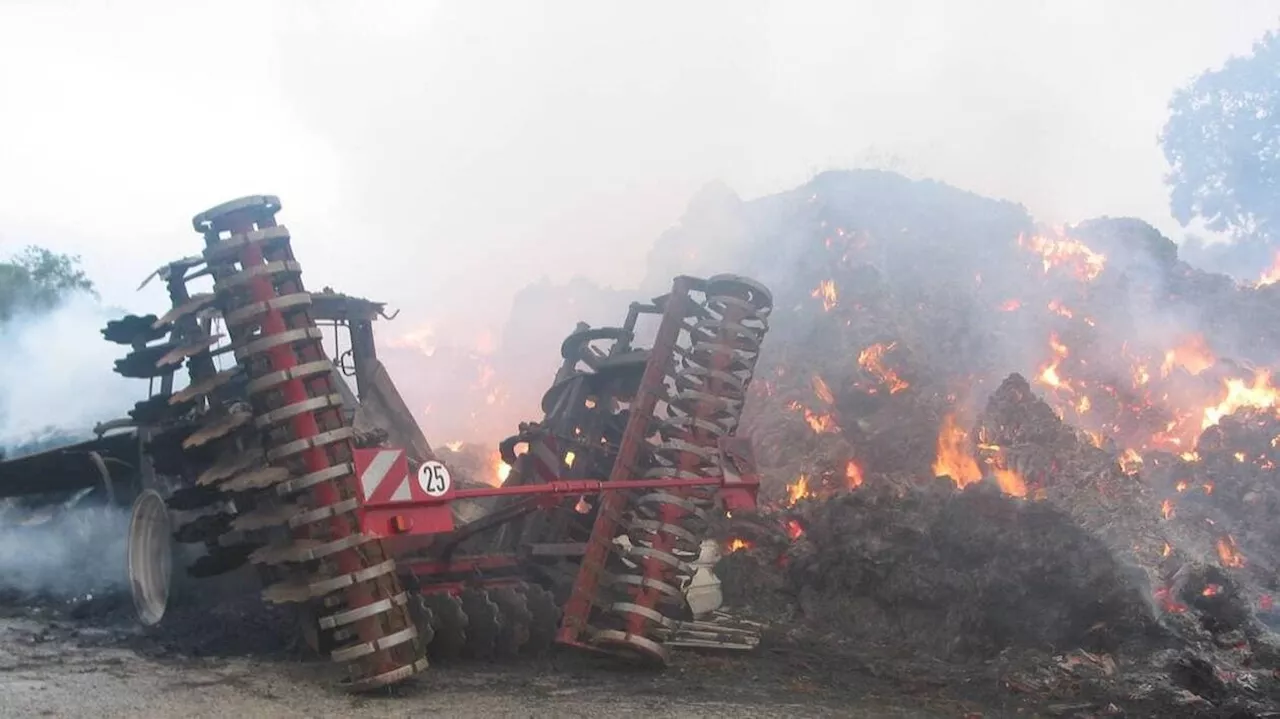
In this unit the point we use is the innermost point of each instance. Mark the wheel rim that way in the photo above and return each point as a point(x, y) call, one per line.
point(150, 557)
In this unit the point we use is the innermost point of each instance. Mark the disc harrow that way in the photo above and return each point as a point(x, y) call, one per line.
point(256, 458)
point(480, 623)
point(269, 447)
point(628, 599)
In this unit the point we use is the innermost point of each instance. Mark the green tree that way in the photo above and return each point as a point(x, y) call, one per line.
point(37, 279)
point(1222, 142)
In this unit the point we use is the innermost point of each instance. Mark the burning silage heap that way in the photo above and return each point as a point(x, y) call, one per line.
point(1086, 565)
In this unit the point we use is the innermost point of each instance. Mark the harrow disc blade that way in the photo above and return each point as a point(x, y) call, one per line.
point(516, 621)
point(221, 427)
point(132, 330)
point(220, 560)
point(190, 307)
point(545, 618)
point(484, 623)
point(204, 387)
point(448, 623)
point(186, 349)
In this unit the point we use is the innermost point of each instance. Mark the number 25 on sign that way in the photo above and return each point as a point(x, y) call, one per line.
point(434, 478)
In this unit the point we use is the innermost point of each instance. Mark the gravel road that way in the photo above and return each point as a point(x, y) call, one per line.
point(59, 668)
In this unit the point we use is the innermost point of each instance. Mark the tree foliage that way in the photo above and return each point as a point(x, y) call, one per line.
point(1222, 141)
point(37, 279)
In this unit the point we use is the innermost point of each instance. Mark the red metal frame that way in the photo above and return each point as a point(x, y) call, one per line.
point(423, 514)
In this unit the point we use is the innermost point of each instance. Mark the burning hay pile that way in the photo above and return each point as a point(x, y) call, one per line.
point(1116, 494)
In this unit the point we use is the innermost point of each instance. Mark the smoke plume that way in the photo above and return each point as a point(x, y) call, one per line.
point(58, 375)
point(62, 552)
point(58, 384)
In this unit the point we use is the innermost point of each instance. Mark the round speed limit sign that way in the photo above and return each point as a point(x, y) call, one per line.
point(434, 478)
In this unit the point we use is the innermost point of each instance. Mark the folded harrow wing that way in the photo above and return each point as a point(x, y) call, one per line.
point(265, 457)
point(608, 506)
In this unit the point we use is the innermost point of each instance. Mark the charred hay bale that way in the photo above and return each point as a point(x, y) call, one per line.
point(754, 582)
point(959, 573)
point(1016, 416)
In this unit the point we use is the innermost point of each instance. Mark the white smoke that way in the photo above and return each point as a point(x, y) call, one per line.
point(58, 383)
point(63, 552)
point(57, 370)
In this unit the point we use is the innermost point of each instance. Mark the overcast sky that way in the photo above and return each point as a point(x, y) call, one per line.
point(441, 155)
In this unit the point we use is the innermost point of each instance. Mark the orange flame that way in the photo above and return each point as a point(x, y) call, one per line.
point(853, 474)
point(735, 544)
point(1130, 462)
point(1259, 395)
point(1068, 253)
point(498, 470)
point(826, 290)
point(1192, 355)
point(953, 458)
point(1049, 374)
point(1010, 482)
point(798, 490)
point(871, 359)
point(1228, 553)
point(1272, 274)
point(821, 389)
point(794, 530)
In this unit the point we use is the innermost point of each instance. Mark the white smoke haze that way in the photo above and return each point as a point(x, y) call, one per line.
point(59, 384)
point(58, 373)
point(54, 552)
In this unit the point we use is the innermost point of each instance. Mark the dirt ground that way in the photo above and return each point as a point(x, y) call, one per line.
point(61, 667)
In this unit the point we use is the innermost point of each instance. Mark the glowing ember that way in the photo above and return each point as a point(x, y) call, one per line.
point(1166, 509)
point(853, 474)
point(871, 359)
point(826, 290)
point(819, 423)
point(736, 544)
point(1167, 550)
point(821, 389)
point(1060, 309)
point(1010, 305)
point(1131, 462)
point(454, 446)
point(1228, 553)
point(798, 490)
point(1211, 590)
point(794, 530)
point(1164, 596)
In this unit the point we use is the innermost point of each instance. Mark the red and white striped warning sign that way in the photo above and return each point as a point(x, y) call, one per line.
point(384, 475)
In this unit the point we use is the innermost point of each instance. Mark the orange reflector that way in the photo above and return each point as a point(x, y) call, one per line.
point(400, 524)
